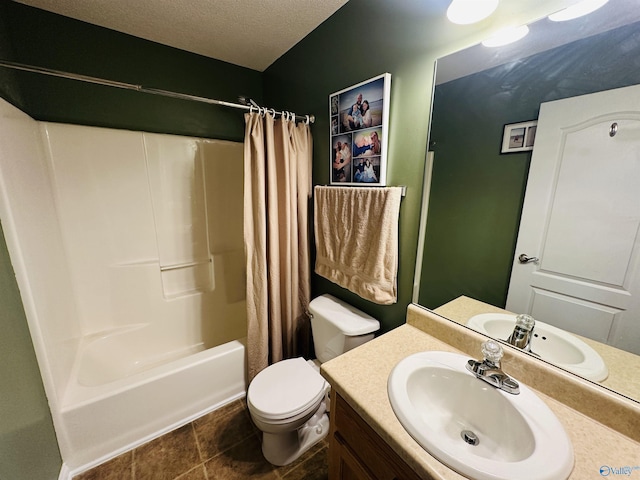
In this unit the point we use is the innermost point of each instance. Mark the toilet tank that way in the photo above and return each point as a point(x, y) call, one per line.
point(338, 327)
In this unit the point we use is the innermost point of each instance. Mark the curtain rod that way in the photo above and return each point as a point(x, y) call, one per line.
point(248, 105)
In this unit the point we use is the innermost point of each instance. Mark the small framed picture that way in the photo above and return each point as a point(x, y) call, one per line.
point(359, 133)
point(519, 137)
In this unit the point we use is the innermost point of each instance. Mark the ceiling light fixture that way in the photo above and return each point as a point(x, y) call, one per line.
point(506, 36)
point(465, 12)
point(578, 10)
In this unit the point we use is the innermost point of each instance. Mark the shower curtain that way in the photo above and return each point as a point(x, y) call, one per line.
point(277, 188)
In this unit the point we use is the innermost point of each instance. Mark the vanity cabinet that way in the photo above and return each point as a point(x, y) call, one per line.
point(357, 452)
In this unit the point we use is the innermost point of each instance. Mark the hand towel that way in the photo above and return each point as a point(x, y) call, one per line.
point(356, 233)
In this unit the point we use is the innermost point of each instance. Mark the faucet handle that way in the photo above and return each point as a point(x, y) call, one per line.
point(492, 351)
point(526, 322)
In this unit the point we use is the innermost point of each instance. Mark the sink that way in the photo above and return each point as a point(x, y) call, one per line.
point(550, 343)
point(472, 427)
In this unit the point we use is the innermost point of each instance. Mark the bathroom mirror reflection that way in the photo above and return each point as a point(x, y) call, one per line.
point(480, 199)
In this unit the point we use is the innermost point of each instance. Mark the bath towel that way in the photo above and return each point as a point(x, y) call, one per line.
point(356, 232)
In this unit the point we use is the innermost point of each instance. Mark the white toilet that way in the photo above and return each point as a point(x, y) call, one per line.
point(288, 400)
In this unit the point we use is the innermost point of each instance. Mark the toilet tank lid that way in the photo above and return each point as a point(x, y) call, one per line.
point(348, 319)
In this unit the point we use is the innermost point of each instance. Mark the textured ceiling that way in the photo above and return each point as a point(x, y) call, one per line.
point(249, 33)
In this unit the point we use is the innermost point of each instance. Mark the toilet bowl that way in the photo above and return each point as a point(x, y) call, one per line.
point(288, 400)
point(287, 403)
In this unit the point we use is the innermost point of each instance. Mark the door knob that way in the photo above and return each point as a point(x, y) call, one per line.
point(523, 258)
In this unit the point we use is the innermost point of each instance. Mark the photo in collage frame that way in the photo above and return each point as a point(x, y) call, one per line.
point(359, 132)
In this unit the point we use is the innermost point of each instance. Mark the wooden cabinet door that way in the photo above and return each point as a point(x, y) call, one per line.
point(356, 451)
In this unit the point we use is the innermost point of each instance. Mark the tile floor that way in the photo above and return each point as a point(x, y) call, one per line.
point(223, 444)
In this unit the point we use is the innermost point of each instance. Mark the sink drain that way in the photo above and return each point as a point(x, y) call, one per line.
point(470, 437)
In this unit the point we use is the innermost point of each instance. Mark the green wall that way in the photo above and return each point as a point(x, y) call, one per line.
point(363, 39)
point(8, 82)
point(477, 193)
point(340, 53)
point(28, 448)
point(52, 41)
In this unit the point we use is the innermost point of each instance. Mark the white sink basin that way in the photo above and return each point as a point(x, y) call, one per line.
point(551, 343)
point(439, 402)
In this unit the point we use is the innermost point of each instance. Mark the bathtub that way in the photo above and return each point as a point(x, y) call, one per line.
point(103, 417)
point(123, 352)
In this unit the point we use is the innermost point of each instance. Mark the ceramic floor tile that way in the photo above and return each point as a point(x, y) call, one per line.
point(315, 467)
point(167, 457)
point(119, 468)
point(241, 462)
point(229, 442)
point(217, 433)
point(197, 473)
point(282, 471)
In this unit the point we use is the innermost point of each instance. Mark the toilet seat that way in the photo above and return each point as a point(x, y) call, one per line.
point(286, 389)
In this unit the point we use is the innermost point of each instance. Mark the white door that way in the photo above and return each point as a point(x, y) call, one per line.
point(581, 219)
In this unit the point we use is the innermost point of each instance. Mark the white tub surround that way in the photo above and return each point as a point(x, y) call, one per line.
point(127, 248)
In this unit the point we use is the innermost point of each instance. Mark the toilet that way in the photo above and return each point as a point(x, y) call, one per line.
point(288, 400)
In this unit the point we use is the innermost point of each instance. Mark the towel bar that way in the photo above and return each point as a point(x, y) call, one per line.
point(403, 187)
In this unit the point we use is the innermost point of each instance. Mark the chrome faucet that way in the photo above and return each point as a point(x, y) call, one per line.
point(523, 332)
point(489, 369)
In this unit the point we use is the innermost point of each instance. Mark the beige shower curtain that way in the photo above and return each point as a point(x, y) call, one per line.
point(277, 188)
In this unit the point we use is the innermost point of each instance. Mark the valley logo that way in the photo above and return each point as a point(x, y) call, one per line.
point(606, 470)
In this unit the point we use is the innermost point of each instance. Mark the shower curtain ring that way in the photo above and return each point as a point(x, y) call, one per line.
point(307, 120)
point(293, 117)
point(273, 113)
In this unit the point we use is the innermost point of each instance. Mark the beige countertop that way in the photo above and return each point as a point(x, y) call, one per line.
point(624, 367)
point(360, 377)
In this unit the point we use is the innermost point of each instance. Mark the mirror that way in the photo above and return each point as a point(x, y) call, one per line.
point(476, 194)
